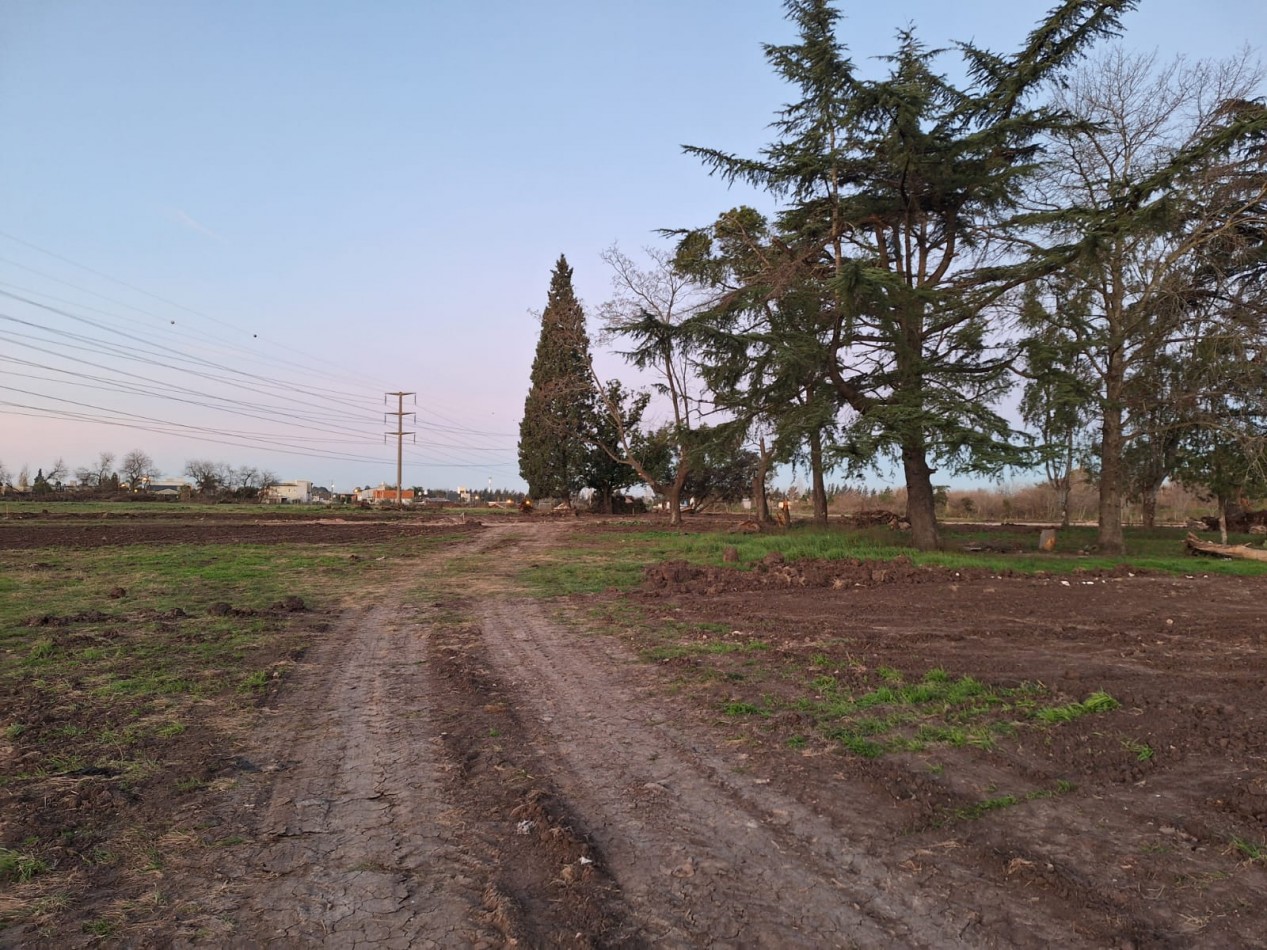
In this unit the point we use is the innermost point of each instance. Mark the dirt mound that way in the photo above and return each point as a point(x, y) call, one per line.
point(773, 572)
point(673, 577)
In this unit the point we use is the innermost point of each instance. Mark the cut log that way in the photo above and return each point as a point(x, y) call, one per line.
point(1244, 551)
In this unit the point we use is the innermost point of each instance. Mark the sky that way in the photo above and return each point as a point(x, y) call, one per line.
point(228, 229)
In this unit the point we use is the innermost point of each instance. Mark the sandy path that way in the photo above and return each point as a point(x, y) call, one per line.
point(358, 843)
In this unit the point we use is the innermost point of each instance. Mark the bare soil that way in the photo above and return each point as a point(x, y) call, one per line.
point(471, 766)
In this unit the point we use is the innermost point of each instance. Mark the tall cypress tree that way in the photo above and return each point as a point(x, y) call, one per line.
point(559, 411)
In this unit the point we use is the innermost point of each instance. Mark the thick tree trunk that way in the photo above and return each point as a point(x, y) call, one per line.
point(1111, 469)
point(1243, 551)
point(761, 500)
point(675, 496)
point(1065, 487)
point(921, 508)
point(819, 488)
point(1148, 506)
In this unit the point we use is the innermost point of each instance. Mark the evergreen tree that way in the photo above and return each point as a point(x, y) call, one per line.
point(899, 196)
point(620, 413)
point(554, 436)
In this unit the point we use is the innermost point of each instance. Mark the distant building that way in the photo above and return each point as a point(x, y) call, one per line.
point(288, 493)
point(167, 489)
point(382, 495)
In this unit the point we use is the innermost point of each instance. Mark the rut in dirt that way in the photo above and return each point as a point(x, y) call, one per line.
point(378, 814)
point(706, 853)
point(355, 840)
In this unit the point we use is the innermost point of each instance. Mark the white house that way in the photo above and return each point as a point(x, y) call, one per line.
point(293, 493)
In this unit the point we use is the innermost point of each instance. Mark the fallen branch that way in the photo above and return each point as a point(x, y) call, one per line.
point(1213, 549)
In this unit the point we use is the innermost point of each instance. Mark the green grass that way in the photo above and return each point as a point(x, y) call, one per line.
point(109, 691)
point(1141, 750)
point(254, 681)
point(936, 710)
point(1095, 703)
point(1249, 851)
point(599, 562)
point(674, 651)
point(18, 867)
point(980, 809)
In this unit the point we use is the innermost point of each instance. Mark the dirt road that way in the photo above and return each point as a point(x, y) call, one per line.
point(458, 765)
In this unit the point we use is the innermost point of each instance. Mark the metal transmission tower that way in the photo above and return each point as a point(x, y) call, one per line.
point(400, 434)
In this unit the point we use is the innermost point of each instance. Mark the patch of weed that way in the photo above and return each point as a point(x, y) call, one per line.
point(258, 679)
point(1141, 750)
point(18, 867)
point(101, 927)
point(1249, 851)
point(42, 649)
point(1097, 702)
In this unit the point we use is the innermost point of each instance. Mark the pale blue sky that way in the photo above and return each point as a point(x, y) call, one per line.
point(344, 199)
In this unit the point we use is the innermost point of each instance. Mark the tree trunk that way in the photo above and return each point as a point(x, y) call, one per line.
point(1148, 506)
point(818, 489)
point(1065, 488)
point(1244, 551)
point(1223, 505)
point(1111, 470)
point(675, 496)
point(760, 500)
point(921, 508)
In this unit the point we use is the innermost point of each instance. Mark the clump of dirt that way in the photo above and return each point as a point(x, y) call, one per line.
point(287, 605)
point(66, 620)
point(553, 883)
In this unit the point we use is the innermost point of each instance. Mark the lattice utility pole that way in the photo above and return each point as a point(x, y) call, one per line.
point(400, 434)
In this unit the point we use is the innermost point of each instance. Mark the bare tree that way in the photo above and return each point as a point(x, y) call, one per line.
point(647, 308)
point(56, 474)
point(209, 477)
point(136, 468)
point(4, 476)
point(1149, 129)
point(99, 475)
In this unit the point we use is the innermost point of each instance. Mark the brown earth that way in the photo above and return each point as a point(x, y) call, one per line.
point(457, 764)
point(107, 532)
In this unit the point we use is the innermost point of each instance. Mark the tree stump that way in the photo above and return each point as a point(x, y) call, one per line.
point(1047, 540)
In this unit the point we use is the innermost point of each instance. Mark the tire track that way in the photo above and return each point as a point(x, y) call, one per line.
point(357, 844)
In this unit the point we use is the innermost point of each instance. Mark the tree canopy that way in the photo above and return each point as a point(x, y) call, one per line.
point(900, 200)
point(554, 446)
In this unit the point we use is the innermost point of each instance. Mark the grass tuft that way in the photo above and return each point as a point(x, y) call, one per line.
point(1249, 851)
point(19, 868)
point(1097, 702)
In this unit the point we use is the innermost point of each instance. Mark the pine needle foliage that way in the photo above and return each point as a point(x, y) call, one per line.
point(899, 214)
point(554, 436)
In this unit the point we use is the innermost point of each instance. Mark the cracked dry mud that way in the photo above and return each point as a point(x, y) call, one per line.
point(474, 769)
